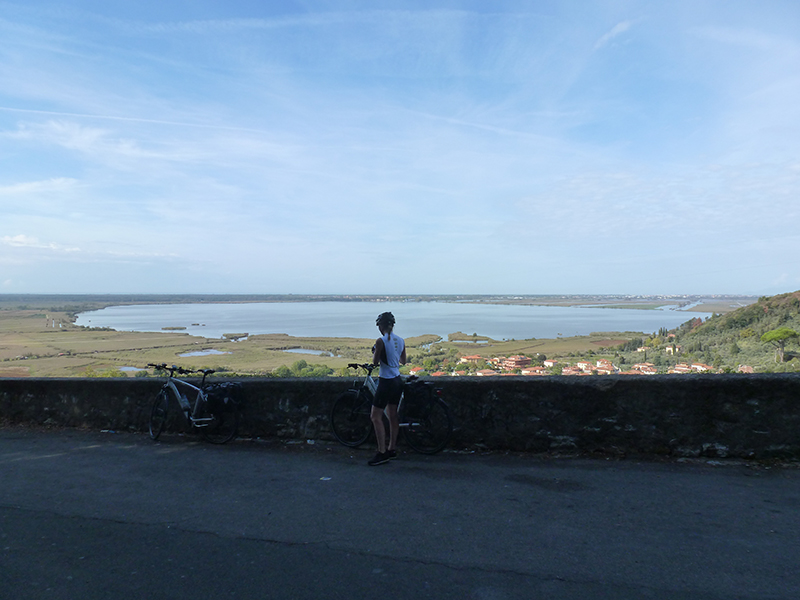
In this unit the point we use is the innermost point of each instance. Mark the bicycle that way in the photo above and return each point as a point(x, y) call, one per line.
point(425, 420)
point(215, 410)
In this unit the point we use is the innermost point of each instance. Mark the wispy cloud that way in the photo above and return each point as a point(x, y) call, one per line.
point(25, 241)
point(136, 120)
point(273, 151)
point(614, 32)
point(26, 188)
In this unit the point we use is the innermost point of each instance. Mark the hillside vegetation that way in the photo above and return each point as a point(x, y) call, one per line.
point(734, 339)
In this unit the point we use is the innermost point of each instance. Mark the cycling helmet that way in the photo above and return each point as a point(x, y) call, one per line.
point(385, 319)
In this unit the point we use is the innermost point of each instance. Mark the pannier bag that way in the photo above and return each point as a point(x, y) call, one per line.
point(416, 397)
point(224, 397)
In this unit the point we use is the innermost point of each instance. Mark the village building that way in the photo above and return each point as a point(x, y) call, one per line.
point(534, 371)
point(515, 362)
point(606, 367)
point(571, 370)
point(474, 358)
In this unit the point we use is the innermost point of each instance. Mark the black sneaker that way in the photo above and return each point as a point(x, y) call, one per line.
point(380, 458)
point(392, 454)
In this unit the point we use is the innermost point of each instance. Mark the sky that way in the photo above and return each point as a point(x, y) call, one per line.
point(419, 147)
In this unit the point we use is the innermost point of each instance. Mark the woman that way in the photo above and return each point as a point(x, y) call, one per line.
point(389, 352)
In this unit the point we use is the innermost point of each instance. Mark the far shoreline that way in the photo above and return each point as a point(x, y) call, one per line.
point(77, 303)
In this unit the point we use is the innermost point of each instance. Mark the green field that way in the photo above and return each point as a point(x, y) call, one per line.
point(38, 338)
point(31, 346)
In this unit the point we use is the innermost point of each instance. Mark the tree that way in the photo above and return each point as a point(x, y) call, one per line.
point(298, 367)
point(778, 338)
point(283, 371)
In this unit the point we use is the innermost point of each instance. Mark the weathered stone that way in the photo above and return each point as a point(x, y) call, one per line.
point(744, 416)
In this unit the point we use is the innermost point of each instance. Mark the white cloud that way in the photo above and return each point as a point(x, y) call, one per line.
point(21, 241)
point(26, 241)
point(273, 150)
point(747, 37)
point(58, 184)
point(615, 31)
point(73, 136)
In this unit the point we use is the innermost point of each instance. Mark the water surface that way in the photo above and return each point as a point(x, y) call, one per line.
point(357, 319)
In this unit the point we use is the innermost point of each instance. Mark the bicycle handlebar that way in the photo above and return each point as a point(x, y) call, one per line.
point(369, 368)
point(179, 370)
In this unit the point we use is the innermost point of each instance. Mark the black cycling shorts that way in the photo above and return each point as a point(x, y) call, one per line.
point(388, 392)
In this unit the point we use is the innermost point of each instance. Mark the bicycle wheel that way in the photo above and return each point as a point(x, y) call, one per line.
point(223, 426)
point(350, 420)
point(429, 432)
point(158, 414)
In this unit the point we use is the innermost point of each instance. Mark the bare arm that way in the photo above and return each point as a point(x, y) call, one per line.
point(377, 350)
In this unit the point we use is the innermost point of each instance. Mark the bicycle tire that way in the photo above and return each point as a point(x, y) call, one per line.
point(158, 414)
point(223, 427)
point(350, 418)
point(429, 432)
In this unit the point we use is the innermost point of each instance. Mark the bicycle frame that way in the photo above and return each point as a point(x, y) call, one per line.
point(191, 410)
point(423, 415)
point(213, 408)
point(371, 383)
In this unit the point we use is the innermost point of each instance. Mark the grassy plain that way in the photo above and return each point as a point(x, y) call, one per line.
point(44, 343)
point(38, 338)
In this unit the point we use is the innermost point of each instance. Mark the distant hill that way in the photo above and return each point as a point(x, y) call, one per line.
point(733, 339)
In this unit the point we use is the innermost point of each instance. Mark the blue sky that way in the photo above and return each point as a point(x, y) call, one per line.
point(615, 146)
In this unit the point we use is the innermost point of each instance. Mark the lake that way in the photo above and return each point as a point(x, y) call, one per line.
point(357, 319)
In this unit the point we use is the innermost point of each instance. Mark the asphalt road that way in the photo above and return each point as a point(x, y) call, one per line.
point(94, 515)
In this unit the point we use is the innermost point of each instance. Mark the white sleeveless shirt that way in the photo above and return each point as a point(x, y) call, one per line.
point(394, 346)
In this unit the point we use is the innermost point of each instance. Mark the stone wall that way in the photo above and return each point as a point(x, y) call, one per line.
point(745, 416)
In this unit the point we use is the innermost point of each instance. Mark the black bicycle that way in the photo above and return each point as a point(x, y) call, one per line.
point(214, 410)
point(425, 419)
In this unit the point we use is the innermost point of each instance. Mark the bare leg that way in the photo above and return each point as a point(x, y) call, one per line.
point(394, 425)
point(380, 431)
